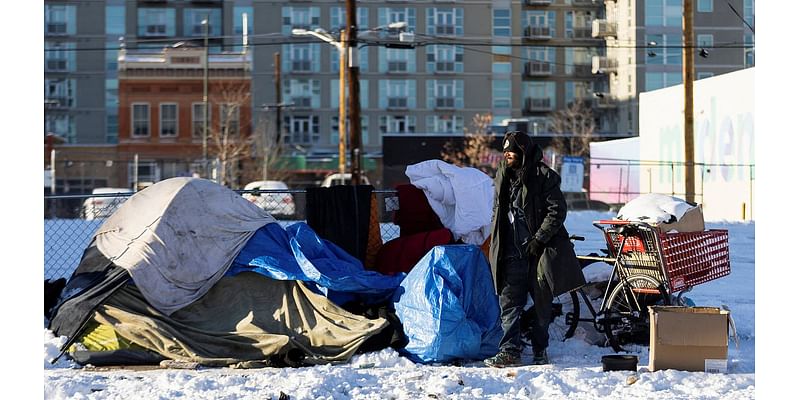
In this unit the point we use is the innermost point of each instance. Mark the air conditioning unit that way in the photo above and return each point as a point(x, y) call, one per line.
point(398, 66)
point(537, 68)
point(445, 66)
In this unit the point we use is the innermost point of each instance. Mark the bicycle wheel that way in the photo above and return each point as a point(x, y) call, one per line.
point(626, 319)
point(566, 312)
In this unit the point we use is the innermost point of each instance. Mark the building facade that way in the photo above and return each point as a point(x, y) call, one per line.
point(513, 59)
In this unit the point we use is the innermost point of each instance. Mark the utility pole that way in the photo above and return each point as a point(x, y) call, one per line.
point(342, 104)
point(688, 96)
point(355, 102)
point(278, 95)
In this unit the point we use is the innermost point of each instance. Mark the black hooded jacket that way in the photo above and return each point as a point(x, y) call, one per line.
point(545, 213)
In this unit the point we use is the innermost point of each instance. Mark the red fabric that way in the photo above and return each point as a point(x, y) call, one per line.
point(415, 214)
point(403, 253)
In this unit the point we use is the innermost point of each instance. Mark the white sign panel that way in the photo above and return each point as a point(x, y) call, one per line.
point(572, 174)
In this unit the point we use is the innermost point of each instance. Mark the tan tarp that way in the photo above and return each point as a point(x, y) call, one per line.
point(178, 237)
point(244, 317)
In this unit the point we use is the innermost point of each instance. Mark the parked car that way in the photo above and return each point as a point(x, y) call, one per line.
point(342, 179)
point(273, 203)
point(103, 207)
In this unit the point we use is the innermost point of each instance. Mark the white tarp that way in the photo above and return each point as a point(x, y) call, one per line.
point(461, 197)
point(178, 237)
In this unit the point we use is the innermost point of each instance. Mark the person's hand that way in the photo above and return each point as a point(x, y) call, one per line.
point(534, 248)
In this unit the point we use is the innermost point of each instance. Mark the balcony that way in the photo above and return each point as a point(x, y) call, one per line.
point(56, 28)
point(538, 2)
point(155, 30)
point(603, 65)
point(445, 29)
point(602, 28)
point(445, 67)
point(301, 66)
point(59, 102)
point(605, 101)
point(301, 101)
point(534, 104)
point(538, 32)
point(56, 64)
point(538, 68)
point(582, 70)
point(397, 103)
point(582, 33)
point(445, 103)
point(397, 67)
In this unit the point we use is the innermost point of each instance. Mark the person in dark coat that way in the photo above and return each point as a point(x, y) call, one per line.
point(530, 250)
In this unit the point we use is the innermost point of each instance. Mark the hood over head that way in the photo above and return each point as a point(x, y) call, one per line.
point(531, 152)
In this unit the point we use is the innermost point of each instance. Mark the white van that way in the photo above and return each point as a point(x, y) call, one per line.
point(103, 207)
point(342, 179)
point(273, 203)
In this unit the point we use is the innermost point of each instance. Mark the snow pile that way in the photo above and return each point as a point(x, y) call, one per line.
point(51, 346)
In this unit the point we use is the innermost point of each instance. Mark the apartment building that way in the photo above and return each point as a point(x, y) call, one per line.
point(513, 59)
point(644, 40)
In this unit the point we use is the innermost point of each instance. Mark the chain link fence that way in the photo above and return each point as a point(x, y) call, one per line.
point(71, 220)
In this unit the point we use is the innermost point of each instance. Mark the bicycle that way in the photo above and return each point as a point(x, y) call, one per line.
point(649, 268)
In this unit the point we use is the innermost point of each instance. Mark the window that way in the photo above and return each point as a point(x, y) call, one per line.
point(658, 80)
point(667, 49)
point(193, 21)
point(539, 23)
point(140, 122)
point(579, 24)
point(749, 51)
point(747, 11)
point(444, 59)
point(539, 96)
point(299, 17)
point(579, 60)
point(238, 27)
point(501, 22)
point(62, 125)
point(398, 124)
point(705, 5)
point(115, 20)
point(445, 21)
point(704, 75)
point(301, 129)
point(450, 124)
point(59, 19)
point(397, 60)
point(339, 18)
point(112, 53)
point(501, 59)
point(304, 93)
point(302, 57)
point(198, 120)
point(59, 57)
point(445, 93)
point(397, 94)
point(541, 59)
point(146, 171)
point(112, 94)
point(663, 13)
point(387, 16)
point(112, 127)
point(229, 119)
point(706, 40)
point(156, 22)
point(577, 90)
point(334, 136)
point(59, 93)
point(501, 93)
point(169, 120)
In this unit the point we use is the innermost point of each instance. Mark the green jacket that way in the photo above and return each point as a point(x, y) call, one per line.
point(545, 212)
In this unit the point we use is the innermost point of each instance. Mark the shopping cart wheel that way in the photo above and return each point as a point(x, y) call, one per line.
point(626, 320)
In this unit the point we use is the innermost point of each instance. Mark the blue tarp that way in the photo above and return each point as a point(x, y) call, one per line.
point(448, 306)
point(298, 253)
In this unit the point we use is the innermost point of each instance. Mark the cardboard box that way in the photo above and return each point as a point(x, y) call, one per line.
point(688, 338)
point(691, 221)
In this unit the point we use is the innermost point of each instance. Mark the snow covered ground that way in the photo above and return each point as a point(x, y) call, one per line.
point(575, 373)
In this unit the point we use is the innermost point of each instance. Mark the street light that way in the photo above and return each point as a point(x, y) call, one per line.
point(340, 46)
point(344, 57)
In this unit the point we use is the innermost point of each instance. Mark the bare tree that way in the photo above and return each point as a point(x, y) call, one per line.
point(477, 149)
point(230, 139)
point(267, 154)
point(575, 126)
